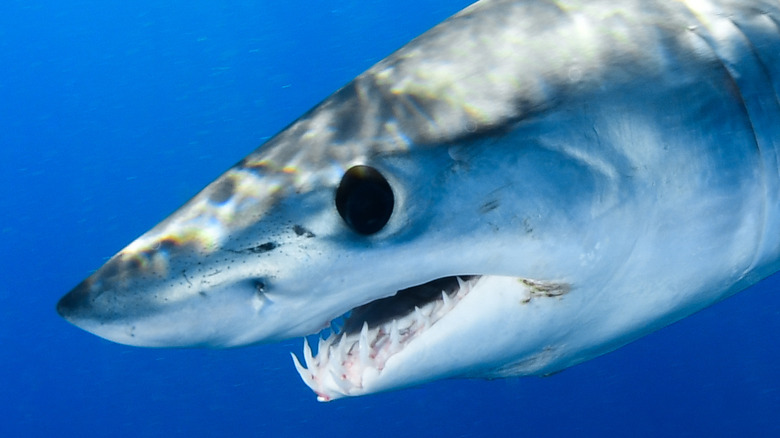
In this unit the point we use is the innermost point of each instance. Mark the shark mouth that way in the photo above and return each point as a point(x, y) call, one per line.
point(347, 360)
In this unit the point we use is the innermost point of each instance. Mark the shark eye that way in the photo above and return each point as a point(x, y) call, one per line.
point(364, 199)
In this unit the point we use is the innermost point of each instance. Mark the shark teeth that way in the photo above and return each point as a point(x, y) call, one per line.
point(345, 362)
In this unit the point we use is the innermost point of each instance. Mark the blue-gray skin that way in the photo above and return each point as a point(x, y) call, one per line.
point(576, 174)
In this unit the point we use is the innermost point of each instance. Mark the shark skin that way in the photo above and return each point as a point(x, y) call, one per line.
point(526, 186)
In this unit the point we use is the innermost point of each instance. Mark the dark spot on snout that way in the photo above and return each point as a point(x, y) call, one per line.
point(301, 231)
point(265, 247)
point(222, 190)
point(134, 264)
point(259, 249)
point(168, 244)
point(122, 265)
point(489, 206)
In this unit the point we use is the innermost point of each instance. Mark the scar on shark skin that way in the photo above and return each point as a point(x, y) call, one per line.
point(259, 249)
point(301, 231)
point(489, 206)
point(539, 289)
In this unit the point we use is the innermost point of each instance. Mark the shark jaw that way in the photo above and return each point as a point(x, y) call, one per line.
point(351, 360)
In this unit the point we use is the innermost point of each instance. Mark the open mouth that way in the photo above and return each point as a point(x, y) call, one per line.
point(372, 333)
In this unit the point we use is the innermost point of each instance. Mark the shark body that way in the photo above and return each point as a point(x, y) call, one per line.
point(526, 186)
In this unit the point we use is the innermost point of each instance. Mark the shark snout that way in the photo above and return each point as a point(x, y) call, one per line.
point(75, 303)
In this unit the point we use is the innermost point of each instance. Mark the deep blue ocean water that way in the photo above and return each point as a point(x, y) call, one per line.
point(112, 114)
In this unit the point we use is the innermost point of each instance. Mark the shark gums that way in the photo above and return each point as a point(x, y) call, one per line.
point(526, 186)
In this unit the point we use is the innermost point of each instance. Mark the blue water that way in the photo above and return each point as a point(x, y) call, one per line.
point(112, 114)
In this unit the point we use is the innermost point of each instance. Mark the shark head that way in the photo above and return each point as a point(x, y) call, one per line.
point(497, 198)
point(376, 251)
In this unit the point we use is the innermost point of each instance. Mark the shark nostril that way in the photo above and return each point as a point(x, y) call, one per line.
point(261, 298)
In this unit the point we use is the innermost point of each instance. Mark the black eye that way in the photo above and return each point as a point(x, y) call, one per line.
point(364, 199)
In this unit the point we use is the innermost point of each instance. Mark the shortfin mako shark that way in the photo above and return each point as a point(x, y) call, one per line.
point(526, 186)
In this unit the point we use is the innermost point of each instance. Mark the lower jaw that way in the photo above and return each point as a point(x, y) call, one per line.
point(402, 352)
point(345, 362)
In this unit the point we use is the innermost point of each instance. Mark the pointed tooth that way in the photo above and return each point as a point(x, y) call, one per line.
point(332, 347)
point(363, 346)
point(341, 348)
point(306, 375)
point(307, 357)
point(446, 300)
point(395, 336)
point(464, 287)
point(420, 317)
point(424, 319)
point(301, 369)
point(322, 347)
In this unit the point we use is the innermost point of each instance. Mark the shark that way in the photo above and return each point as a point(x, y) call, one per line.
point(528, 185)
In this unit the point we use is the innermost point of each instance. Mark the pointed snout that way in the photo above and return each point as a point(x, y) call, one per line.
point(75, 303)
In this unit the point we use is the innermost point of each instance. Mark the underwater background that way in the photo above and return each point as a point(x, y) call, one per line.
point(114, 113)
